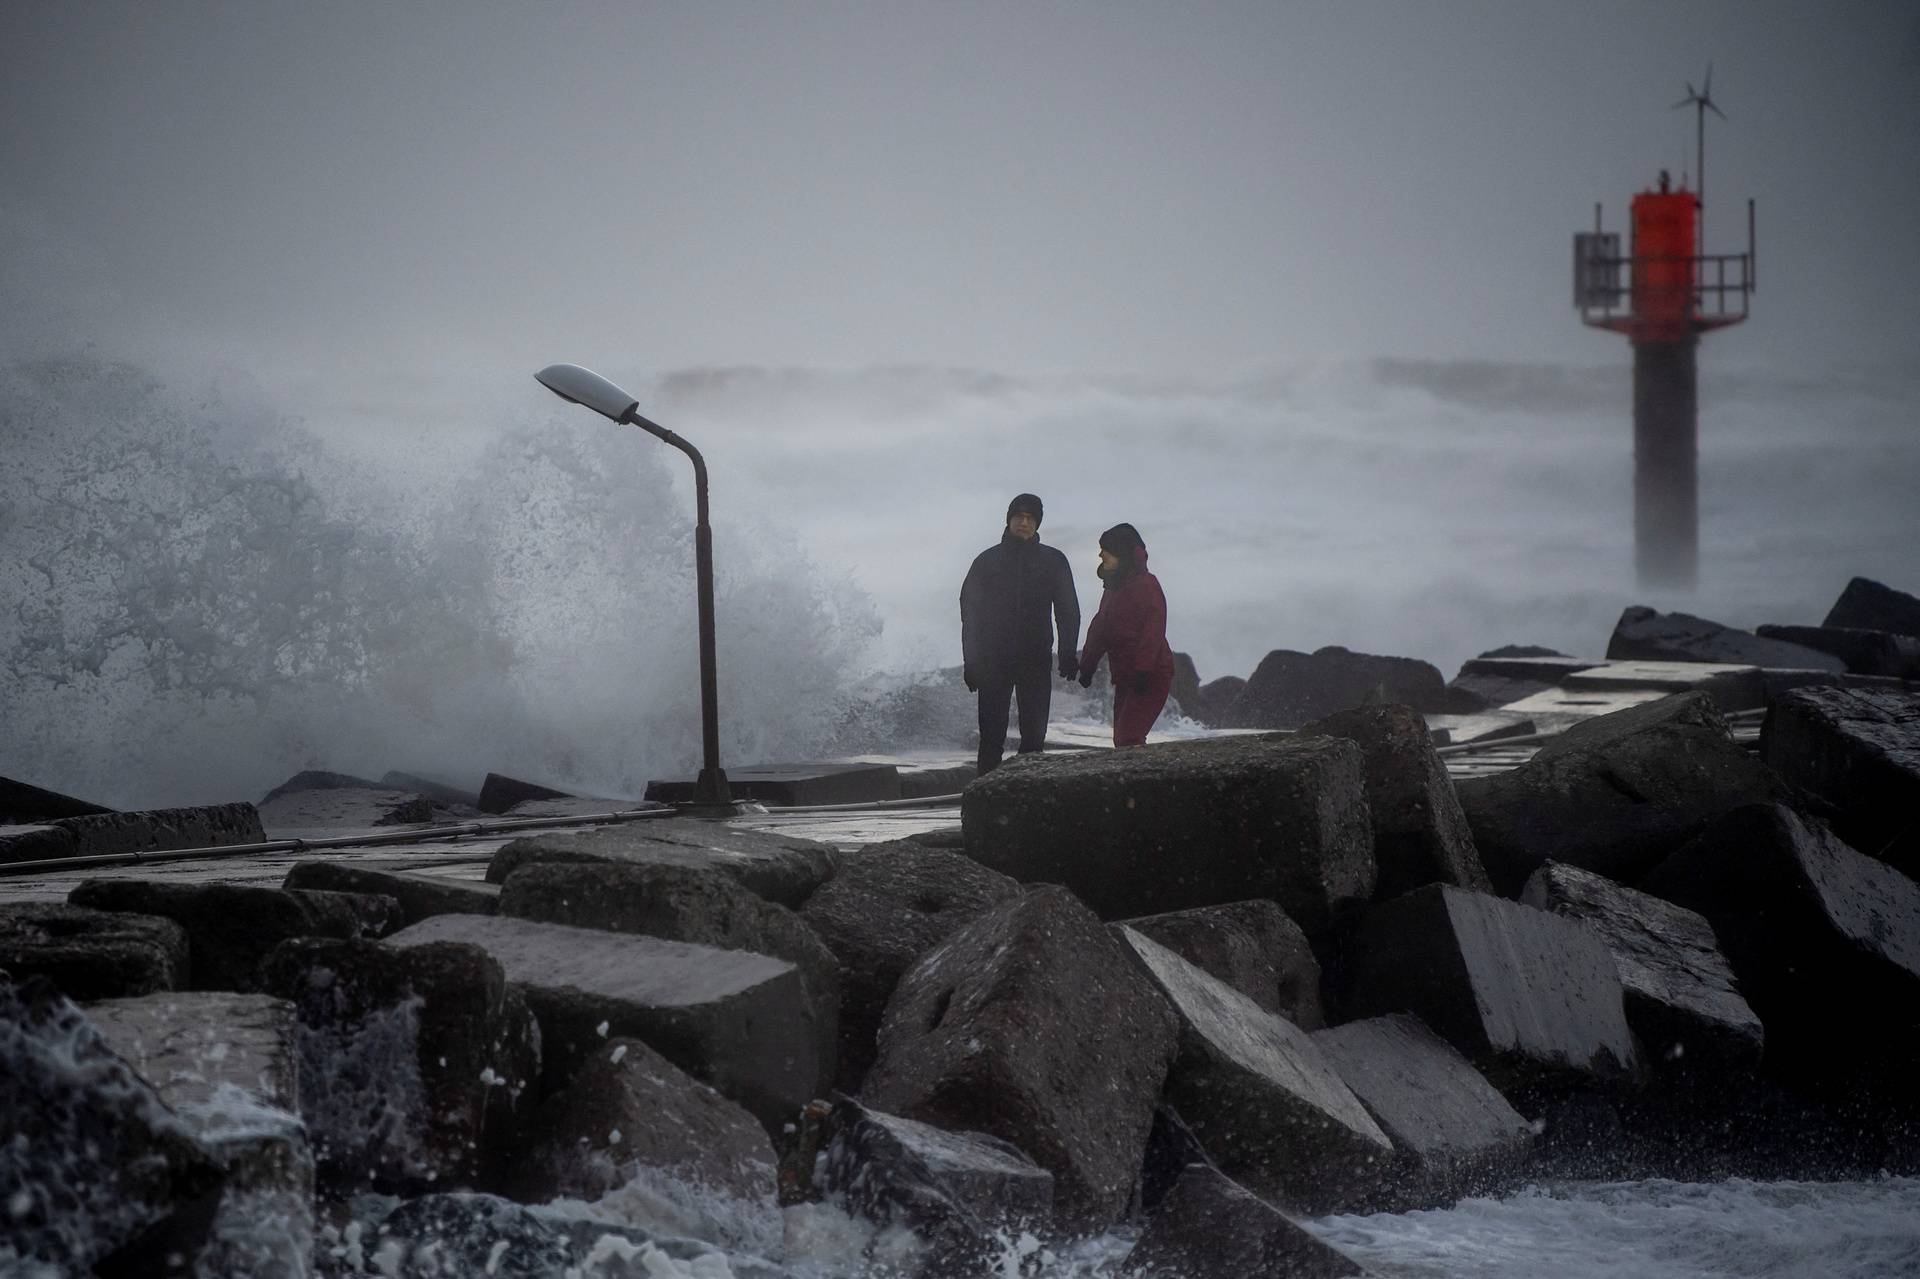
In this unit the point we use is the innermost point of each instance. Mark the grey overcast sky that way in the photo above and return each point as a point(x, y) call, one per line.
point(416, 189)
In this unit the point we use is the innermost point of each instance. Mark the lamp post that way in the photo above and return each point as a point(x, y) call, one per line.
point(583, 386)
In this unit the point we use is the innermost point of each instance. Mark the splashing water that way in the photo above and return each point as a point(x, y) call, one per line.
point(198, 600)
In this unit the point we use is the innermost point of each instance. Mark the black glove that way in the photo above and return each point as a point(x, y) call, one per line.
point(1086, 675)
point(1069, 667)
point(971, 678)
point(1143, 681)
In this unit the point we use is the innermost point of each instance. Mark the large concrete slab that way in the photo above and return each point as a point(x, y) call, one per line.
point(1614, 794)
point(1210, 1226)
point(418, 895)
point(1859, 751)
point(93, 954)
point(733, 1018)
point(1681, 996)
point(1824, 939)
point(1031, 1024)
point(151, 830)
point(1264, 1102)
point(343, 808)
point(777, 867)
point(1453, 1133)
point(1732, 687)
point(1197, 823)
point(1531, 998)
point(231, 928)
point(191, 1044)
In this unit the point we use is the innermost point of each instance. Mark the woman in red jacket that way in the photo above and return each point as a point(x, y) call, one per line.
point(1130, 631)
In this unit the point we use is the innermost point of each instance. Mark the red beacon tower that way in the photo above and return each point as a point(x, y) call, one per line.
point(1663, 294)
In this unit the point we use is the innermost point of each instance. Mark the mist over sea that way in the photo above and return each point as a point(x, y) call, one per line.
point(210, 582)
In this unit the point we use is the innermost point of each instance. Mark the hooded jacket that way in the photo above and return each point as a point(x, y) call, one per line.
point(1013, 596)
point(1130, 627)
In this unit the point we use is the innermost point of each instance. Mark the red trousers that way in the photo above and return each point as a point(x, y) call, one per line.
point(1134, 712)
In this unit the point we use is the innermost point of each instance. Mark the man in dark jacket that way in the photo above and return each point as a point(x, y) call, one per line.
point(1014, 597)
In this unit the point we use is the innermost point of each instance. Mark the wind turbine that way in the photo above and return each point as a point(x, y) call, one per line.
point(1701, 102)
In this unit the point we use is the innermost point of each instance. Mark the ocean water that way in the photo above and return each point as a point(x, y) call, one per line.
point(1733, 1229)
point(208, 585)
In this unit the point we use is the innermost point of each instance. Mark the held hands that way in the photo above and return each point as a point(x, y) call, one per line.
point(1086, 675)
point(1069, 667)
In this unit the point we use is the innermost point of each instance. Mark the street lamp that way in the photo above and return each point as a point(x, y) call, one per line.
point(583, 386)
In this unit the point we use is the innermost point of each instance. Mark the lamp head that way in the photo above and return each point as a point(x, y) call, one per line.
point(583, 386)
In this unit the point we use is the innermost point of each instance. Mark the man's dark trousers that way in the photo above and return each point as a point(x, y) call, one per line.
point(1035, 690)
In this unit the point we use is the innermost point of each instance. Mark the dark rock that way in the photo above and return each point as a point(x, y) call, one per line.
point(1507, 675)
point(730, 1018)
point(1186, 687)
point(500, 793)
point(1681, 997)
point(1452, 1131)
point(228, 1065)
point(1219, 696)
point(630, 1121)
point(1860, 752)
point(1645, 635)
point(779, 868)
point(416, 1062)
point(315, 779)
point(1030, 1024)
point(1289, 689)
point(1209, 1226)
point(163, 829)
point(35, 844)
point(1825, 941)
point(1251, 946)
point(1615, 794)
point(1171, 1146)
point(92, 954)
point(1864, 652)
point(964, 1194)
point(888, 905)
point(345, 808)
point(418, 895)
point(93, 1159)
point(231, 927)
point(681, 903)
point(1531, 998)
point(26, 805)
point(1184, 824)
point(443, 793)
point(1420, 835)
point(1867, 605)
point(1263, 1101)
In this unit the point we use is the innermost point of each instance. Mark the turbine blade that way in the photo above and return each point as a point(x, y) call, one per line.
point(1684, 102)
point(1716, 110)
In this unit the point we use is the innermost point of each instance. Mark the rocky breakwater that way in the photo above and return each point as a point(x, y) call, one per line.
point(1202, 989)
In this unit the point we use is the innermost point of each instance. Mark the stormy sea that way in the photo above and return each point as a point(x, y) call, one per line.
point(209, 585)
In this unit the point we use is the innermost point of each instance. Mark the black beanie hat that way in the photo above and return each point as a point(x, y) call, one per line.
point(1030, 504)
point(1120, 540)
